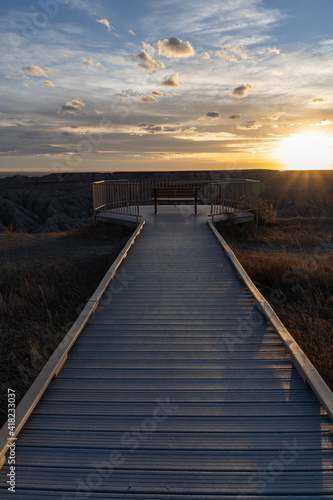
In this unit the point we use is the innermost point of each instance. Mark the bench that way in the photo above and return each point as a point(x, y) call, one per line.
point(176, 194)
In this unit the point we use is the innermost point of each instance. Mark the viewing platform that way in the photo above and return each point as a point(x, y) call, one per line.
point(123, 201)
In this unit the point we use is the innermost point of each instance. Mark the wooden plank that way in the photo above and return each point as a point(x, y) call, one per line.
point(102, 352)
point(165, 384)
point(196, 364)
point(232, 425)
point(175, 460)
point(207, 351)
point(219, 441)
point(42, 494)
point(79, 369)
point(180, 397)
point(171, 482)
point(131, 343)
point(208, 409)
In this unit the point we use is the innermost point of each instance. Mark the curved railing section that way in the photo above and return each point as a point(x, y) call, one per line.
point(116, 197)
point(233, 196)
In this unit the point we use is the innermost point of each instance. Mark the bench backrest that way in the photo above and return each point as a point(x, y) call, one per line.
point(176, 191)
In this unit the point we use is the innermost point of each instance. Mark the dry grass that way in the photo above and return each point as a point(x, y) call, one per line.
point(295, 233)
point(41, 298)
point(291, 262)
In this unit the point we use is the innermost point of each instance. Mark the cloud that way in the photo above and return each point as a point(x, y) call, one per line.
point(215, 115)
point(174, 48)
point(159, 129)
point(91, 62)
point(105, 22)
point(241, 91)
point(206, 55)
point(227, 57)
point(147, 63)
point(51, 70)
point(250, 125)
point(323, 123)
point(29, 134)
point(277, 73)
point(147, 99)
point(157, 93)
point(275, 116)
point(274, 50)
point(34, 71)
point(171, 81)
point(48, 83)
point(131, 32)
point(148, 48)
point(271, 50)
point(172, 129)
point(236, 49)
point(235, 53)
point(98, 112)
point(26, 85)
point(317, 100)
point(234, 117)
point(71, 107)
point(154, 130)
point(125, 93)
point(212, 115)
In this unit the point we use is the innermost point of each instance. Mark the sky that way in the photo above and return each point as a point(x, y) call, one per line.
point(165, 84)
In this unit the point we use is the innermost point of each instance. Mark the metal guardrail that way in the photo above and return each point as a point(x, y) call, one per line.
point(118, 197)
point(234, 195)
point(227, 196)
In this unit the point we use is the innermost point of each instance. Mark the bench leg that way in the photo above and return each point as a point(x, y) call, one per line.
point(155, 200)
point(196, 202)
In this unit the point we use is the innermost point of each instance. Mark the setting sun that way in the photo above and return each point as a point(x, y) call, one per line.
point(308, 151)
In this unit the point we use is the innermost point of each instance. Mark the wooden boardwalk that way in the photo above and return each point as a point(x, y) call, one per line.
point(177, 388)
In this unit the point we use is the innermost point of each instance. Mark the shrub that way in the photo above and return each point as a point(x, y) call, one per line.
point(266, 212)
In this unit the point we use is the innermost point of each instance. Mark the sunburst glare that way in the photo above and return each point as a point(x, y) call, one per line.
point(307, 151)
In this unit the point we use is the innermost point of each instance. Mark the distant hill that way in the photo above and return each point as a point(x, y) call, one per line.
point(55, 202)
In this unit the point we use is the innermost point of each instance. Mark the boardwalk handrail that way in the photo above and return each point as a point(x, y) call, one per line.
point(232, 195)
point(58, 358)
point(302, 363)
point(119, 197)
